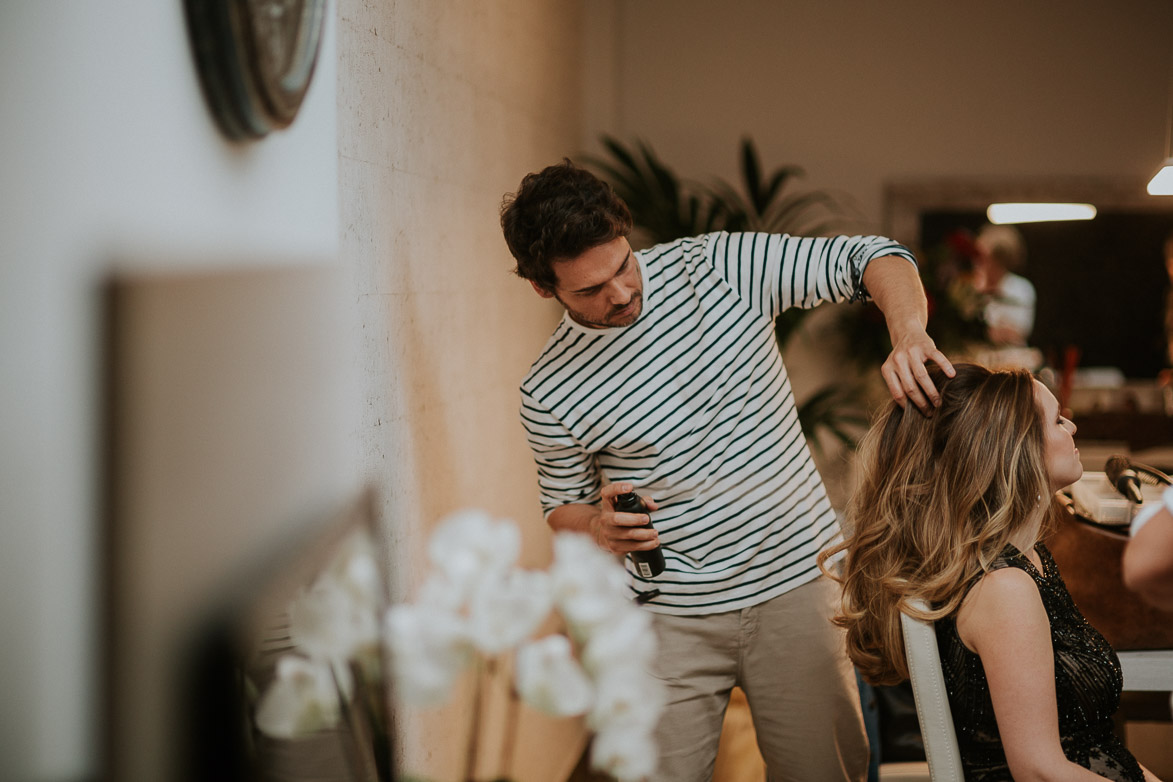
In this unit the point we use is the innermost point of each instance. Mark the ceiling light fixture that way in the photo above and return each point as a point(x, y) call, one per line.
point(1000, 214)
point(1162, 181)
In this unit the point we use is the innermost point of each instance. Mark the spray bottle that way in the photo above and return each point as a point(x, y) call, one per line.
point(648, 564)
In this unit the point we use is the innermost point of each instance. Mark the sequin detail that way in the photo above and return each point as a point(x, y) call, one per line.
point(1088, 682)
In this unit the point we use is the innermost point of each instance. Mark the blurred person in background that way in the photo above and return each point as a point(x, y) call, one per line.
point(1000, 252)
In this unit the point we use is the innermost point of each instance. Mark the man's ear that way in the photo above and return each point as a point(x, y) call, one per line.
point(541, 290)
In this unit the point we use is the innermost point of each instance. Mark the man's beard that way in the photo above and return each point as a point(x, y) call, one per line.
point(636, 305)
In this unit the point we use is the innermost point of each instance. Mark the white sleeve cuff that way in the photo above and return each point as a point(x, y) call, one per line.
point(1152, 509)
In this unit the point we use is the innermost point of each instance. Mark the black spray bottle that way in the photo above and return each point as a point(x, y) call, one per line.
point(648, 564)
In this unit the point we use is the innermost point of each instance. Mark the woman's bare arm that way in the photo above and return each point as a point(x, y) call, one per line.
point(1004, 621)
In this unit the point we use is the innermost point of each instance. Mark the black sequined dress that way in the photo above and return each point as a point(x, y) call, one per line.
point(1087, 687)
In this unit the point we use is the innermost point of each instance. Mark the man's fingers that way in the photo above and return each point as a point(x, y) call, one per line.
point(892, 380)
point(914, 394)
point(613, 490)
point(910, 384)
point(925, 385)
point(943, 362)
point(625, 539)
point(907, 376)
point(631, 519)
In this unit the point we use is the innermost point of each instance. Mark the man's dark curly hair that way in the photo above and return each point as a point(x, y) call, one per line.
point(557, 214)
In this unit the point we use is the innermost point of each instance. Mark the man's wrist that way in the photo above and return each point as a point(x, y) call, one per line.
point(903, 328)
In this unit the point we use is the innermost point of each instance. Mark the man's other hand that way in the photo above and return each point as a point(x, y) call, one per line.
point(621, 533)
point(905, 373)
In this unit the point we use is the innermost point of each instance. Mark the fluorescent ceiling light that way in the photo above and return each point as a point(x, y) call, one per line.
point(1037, 213)
point(1162, 181)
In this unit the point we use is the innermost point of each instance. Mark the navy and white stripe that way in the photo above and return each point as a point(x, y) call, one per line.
point(692, 405)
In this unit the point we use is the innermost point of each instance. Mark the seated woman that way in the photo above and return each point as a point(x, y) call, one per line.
point(950, 509)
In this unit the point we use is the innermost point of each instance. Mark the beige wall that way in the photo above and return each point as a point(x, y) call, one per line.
point(443, 107)
point(858, 92)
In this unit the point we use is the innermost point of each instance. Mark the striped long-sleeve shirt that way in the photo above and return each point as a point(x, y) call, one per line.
point(692, 405)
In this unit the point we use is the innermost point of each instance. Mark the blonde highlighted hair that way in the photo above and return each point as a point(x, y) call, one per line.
point(938, 500)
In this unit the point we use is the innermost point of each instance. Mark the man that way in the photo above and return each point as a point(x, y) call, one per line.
point(999, 251)
point(664, 377)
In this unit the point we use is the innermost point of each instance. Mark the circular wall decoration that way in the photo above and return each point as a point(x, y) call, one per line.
point(256, 59)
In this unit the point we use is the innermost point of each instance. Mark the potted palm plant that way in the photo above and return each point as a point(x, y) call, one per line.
point(665, 207)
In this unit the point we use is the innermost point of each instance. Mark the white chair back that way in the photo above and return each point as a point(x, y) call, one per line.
point(932, 701)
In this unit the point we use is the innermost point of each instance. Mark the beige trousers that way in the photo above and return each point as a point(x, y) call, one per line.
point(790, 661)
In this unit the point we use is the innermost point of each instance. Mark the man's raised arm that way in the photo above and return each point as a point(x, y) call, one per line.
point(894, 285)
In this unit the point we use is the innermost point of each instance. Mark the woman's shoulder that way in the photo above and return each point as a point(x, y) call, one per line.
point(1006, 596)
point(1012, 575)
point(1010, 560)
point(1011, 580)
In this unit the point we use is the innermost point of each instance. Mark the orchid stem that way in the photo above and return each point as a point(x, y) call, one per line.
point(360, 744)
point(484, 668)
point(509, 742)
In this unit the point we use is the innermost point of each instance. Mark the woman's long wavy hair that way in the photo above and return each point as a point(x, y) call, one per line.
point(939, 499)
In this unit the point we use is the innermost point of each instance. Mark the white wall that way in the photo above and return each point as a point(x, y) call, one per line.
point(859, 92)
point(108, 157)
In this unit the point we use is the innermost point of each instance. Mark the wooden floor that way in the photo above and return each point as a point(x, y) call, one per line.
point(738, 759)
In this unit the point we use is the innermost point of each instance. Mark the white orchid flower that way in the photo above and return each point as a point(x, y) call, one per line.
point(628, 639)
point(423, 681)
point(302, 699)
point(626, 697)
point(356, 569)
point(576, 552)
point(585, 611)
point(469, 546)
point(441, 593)
point(506, 610)
point(627, 755)
point(429, 649)
point(550, 679)
point(326, 622)
point(588, 584)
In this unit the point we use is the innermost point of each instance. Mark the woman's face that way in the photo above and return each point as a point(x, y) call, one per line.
point(1060, 455)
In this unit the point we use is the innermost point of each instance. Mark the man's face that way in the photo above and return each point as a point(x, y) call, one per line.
point(601, 288)
point(983, 257)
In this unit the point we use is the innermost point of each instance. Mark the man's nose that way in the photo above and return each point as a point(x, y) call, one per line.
point(618, 293)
